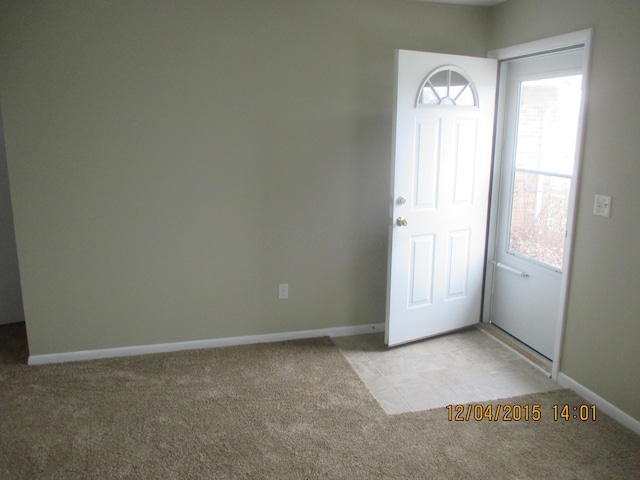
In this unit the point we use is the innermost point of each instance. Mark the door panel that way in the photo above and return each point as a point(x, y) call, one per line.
point(421, 264)
point(442, 154)
point(531, 318)
point(464, 160)
point(458, 264)
point(427, 161)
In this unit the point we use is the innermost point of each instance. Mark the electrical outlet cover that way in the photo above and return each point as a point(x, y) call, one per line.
point(602, 206)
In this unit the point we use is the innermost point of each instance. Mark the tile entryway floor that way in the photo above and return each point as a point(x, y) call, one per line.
point(460, 367)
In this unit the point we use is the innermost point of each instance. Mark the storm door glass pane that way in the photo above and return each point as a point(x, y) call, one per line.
point(548, 114)
point(548, 124)
point(539, 217)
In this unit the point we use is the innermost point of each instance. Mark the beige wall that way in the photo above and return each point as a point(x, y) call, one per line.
point(603, 326)
point(10, 292)
point(171, 162)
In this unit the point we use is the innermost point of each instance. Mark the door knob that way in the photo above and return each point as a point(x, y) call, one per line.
point(402, 200)
point(401, 222)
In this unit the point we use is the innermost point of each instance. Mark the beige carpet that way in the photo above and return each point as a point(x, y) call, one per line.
point(290, 410)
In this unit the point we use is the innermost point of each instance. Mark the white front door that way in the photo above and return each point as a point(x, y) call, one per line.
point(542, 110)
point(443, 129)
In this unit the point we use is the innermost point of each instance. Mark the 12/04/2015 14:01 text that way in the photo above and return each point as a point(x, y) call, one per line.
point(518, 412)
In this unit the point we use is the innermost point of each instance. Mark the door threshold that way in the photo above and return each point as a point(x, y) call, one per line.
point(529, 354)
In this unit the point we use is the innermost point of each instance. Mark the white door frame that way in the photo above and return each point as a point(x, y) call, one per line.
point(547, 45)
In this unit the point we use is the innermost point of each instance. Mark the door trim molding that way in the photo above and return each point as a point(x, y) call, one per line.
point(583, 39)
point(545, 45)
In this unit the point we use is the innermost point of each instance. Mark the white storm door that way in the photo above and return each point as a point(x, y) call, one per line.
point(443, 128)
point(542, 111)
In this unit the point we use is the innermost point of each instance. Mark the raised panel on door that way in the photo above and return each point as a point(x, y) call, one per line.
point(465, 161)
point(458, 265)
point(421, 271)
point(426, 164)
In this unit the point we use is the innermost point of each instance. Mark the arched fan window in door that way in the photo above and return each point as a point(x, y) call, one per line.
point(448, 86)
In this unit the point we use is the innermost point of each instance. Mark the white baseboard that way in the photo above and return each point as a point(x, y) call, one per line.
point(611, 410)
point(196, 344)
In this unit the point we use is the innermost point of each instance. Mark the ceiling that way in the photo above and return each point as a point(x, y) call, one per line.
point(466, 2)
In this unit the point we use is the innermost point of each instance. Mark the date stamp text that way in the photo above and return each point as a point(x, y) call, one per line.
point(508, 412)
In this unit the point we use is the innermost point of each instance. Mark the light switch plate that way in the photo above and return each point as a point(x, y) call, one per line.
point(602, 206)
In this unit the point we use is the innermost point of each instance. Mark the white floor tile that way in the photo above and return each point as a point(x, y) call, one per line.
point(461, 367)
